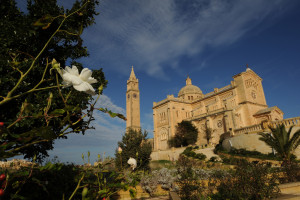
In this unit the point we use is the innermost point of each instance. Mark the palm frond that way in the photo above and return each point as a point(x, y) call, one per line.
point(280, 140)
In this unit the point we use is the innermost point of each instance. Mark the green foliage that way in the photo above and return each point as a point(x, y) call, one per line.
point(186, 134)
point(249, 181)
point(284, 144)
point(58, 180)
point(213, 159)
point(29, 41)
point(134, 144)
point(190, 185)
point(231, 160)
point(282, 141)
point(51, 181)
point(190, 153)
point(291, 172)
point(253, 154)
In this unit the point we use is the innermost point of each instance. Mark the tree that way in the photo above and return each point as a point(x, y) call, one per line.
point(282, 141)
point(186, 133)
point(23, 38)
point(133, 145)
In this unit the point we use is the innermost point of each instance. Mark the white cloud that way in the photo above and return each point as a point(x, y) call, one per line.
point(154, 35)
point(104, 138)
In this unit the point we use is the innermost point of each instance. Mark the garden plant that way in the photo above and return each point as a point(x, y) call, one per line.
point(42, 99)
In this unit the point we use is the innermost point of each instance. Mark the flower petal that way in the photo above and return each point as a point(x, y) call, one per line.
point(71, 78)
point(91, 80)
point(85, 74)
point(66, 84)
point(85, 87)
point(75, 70)
point(67, 69)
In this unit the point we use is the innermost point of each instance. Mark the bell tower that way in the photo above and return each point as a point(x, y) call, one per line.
point(133, 103)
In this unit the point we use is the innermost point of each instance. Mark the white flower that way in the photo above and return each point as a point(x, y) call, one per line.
point(81, 82)
point(132, 163)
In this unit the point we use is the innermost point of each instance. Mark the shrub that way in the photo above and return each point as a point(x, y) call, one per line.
point(190, 184)
point(190, 153)
point(291, 172)
point(59, 180)
point(213, 159)
point(231, 160)
point(249, 181)
point(165, 177)
point(218, 148)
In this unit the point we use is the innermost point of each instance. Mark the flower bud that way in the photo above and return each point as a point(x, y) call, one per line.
point(55, 64)
point(120, 150)
point(84, 192)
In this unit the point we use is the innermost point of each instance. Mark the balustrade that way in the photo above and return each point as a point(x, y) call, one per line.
point(258, 127)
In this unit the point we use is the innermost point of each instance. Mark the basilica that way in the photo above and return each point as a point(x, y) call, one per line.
point(238, 111)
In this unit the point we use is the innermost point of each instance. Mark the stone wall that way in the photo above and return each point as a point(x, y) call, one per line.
point(173, 154)
point(251, 142)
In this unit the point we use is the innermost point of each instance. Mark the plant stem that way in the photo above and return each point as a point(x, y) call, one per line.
point(23, 75)
point(77, 187)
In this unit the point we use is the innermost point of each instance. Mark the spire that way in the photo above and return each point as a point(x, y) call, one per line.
point(132, 75)
point(188, 81)
point(247, 67)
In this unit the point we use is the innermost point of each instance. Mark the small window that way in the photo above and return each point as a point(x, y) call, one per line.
point(128, 96)
point(134, 95)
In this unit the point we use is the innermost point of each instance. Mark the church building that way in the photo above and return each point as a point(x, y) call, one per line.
point(228, 109)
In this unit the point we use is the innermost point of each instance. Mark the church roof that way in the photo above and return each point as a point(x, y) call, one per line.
point(267, 110)
point(189, 88)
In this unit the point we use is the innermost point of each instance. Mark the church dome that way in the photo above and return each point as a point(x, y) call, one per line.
point(189, 89)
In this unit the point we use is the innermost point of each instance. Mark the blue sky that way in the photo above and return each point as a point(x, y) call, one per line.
point(165, 41)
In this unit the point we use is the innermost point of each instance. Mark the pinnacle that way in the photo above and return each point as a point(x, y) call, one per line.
point(132, 75)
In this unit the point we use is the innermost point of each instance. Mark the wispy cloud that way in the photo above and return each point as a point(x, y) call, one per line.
point(154, 35)
point(104, 138)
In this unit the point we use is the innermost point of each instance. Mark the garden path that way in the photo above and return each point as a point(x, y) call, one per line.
point(289, 191)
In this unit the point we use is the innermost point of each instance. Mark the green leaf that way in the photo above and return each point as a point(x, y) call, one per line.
point(58, 112)
point(112, 114)
point(44, 22)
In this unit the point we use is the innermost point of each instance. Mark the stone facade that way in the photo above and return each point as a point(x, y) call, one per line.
point(240, 104)
point(133, 103)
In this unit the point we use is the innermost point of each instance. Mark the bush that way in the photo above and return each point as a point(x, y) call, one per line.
point(51, 181)
point(291, 172)
point(165, 177)
point(218, 148)
point(55, 181)
point(190, 185)
point(213, 159)
point(190, 153)
point(231, 160)
point(246, 153)
point(249, 181)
